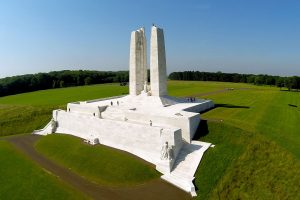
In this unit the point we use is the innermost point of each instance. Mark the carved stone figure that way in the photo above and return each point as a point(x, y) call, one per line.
point(170, 153)
point(145, 87)
point(167, 152)
point(164, 152)
point(53, 125)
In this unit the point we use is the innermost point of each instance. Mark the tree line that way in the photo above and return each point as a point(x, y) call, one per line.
point(67, 78)
point(59, 79)
point(290, 83)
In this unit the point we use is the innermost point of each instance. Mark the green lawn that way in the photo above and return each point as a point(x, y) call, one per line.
point(104, 165)
point(245, 165)
point(20, 178)
point(26, 112)
point(257, 142)
point(265, 111)
point(57, 97)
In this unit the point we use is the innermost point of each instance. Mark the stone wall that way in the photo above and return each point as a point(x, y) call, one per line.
point(143, 141)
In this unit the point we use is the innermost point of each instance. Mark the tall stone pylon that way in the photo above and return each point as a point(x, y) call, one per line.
point(158, 72)
point(137, 62)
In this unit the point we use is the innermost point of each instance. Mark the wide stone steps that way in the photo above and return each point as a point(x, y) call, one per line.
point(113, 114)
point(186, 165)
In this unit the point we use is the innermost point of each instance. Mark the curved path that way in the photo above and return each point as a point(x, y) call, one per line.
point(156, 189)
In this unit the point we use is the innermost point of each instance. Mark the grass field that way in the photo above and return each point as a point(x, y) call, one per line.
point(26, 112)
point(101, 164)
point(20, 178)
point(257, 142)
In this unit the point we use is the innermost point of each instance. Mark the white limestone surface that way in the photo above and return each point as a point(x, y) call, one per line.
point(158, 74)
point(144, 121)
point(186, 165)
point(44, 131)
point(137, 62)
point(161, 111)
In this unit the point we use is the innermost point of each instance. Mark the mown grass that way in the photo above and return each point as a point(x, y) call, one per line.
point(264, 171)
point(63, 96)
point(195, 88)
point(20, 178)
point(245, 165)
point(104, 165)
point(262, 111)
point(257, 144)
point(267, 165)
point(229, 145)
point(26, 112)
point(19, 119)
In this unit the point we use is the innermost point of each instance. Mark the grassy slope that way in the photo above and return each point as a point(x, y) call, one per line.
point(20, 178)
point(194, 88)
point(267, 167)
point(268, 114)
point(230, 144)
point(26, 112)
point(256, 155)
point(245, 165)
point(98, 163)
point(64, 95)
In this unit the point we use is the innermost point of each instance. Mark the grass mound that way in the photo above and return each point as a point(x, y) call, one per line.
point(257, 150)
point(99, 163)
point(23, 119)
point(23, 113)
point(245, 165)
point(20, 178)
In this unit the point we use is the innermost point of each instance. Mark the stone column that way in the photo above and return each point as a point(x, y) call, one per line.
point(144, 63)
point(158, 73)
point(137, 62)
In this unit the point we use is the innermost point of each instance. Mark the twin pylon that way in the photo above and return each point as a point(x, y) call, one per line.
point(138, 81)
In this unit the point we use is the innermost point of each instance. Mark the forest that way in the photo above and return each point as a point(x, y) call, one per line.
point(66, 78)
point(292, 82)
point(59, 79)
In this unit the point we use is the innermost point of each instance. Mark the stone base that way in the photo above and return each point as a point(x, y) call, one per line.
point(141, 125)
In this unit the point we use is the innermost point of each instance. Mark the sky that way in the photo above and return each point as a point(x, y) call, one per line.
point(243, 36)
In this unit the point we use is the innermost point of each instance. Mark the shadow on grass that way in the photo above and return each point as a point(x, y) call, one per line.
point(202, 130)
point(229, 106)
point(292, 90)
point(292, 105)
point(221, 105)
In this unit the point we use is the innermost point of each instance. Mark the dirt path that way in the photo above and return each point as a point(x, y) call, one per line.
point(156, 189)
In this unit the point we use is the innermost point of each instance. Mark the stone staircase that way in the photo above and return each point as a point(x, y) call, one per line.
point(185, 166)
point(113, 113)
point(44, 131)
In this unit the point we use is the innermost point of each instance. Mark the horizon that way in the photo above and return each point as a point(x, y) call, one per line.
point(148, 69)
point(232, 37)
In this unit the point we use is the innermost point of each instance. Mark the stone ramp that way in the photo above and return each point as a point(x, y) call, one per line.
point(44, 131)
point(186, 165)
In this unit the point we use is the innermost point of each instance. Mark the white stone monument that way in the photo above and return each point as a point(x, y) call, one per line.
point(158, 71)
point(147, 122)
point(138, 62)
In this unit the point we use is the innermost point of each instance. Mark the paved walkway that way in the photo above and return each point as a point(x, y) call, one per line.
point(156, 189)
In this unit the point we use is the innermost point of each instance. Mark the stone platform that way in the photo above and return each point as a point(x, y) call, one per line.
point(141, 125)
point(148, 123)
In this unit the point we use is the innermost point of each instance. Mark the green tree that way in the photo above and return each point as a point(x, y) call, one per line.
point(61, 83)
point(280, 82)
point(88, 80)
